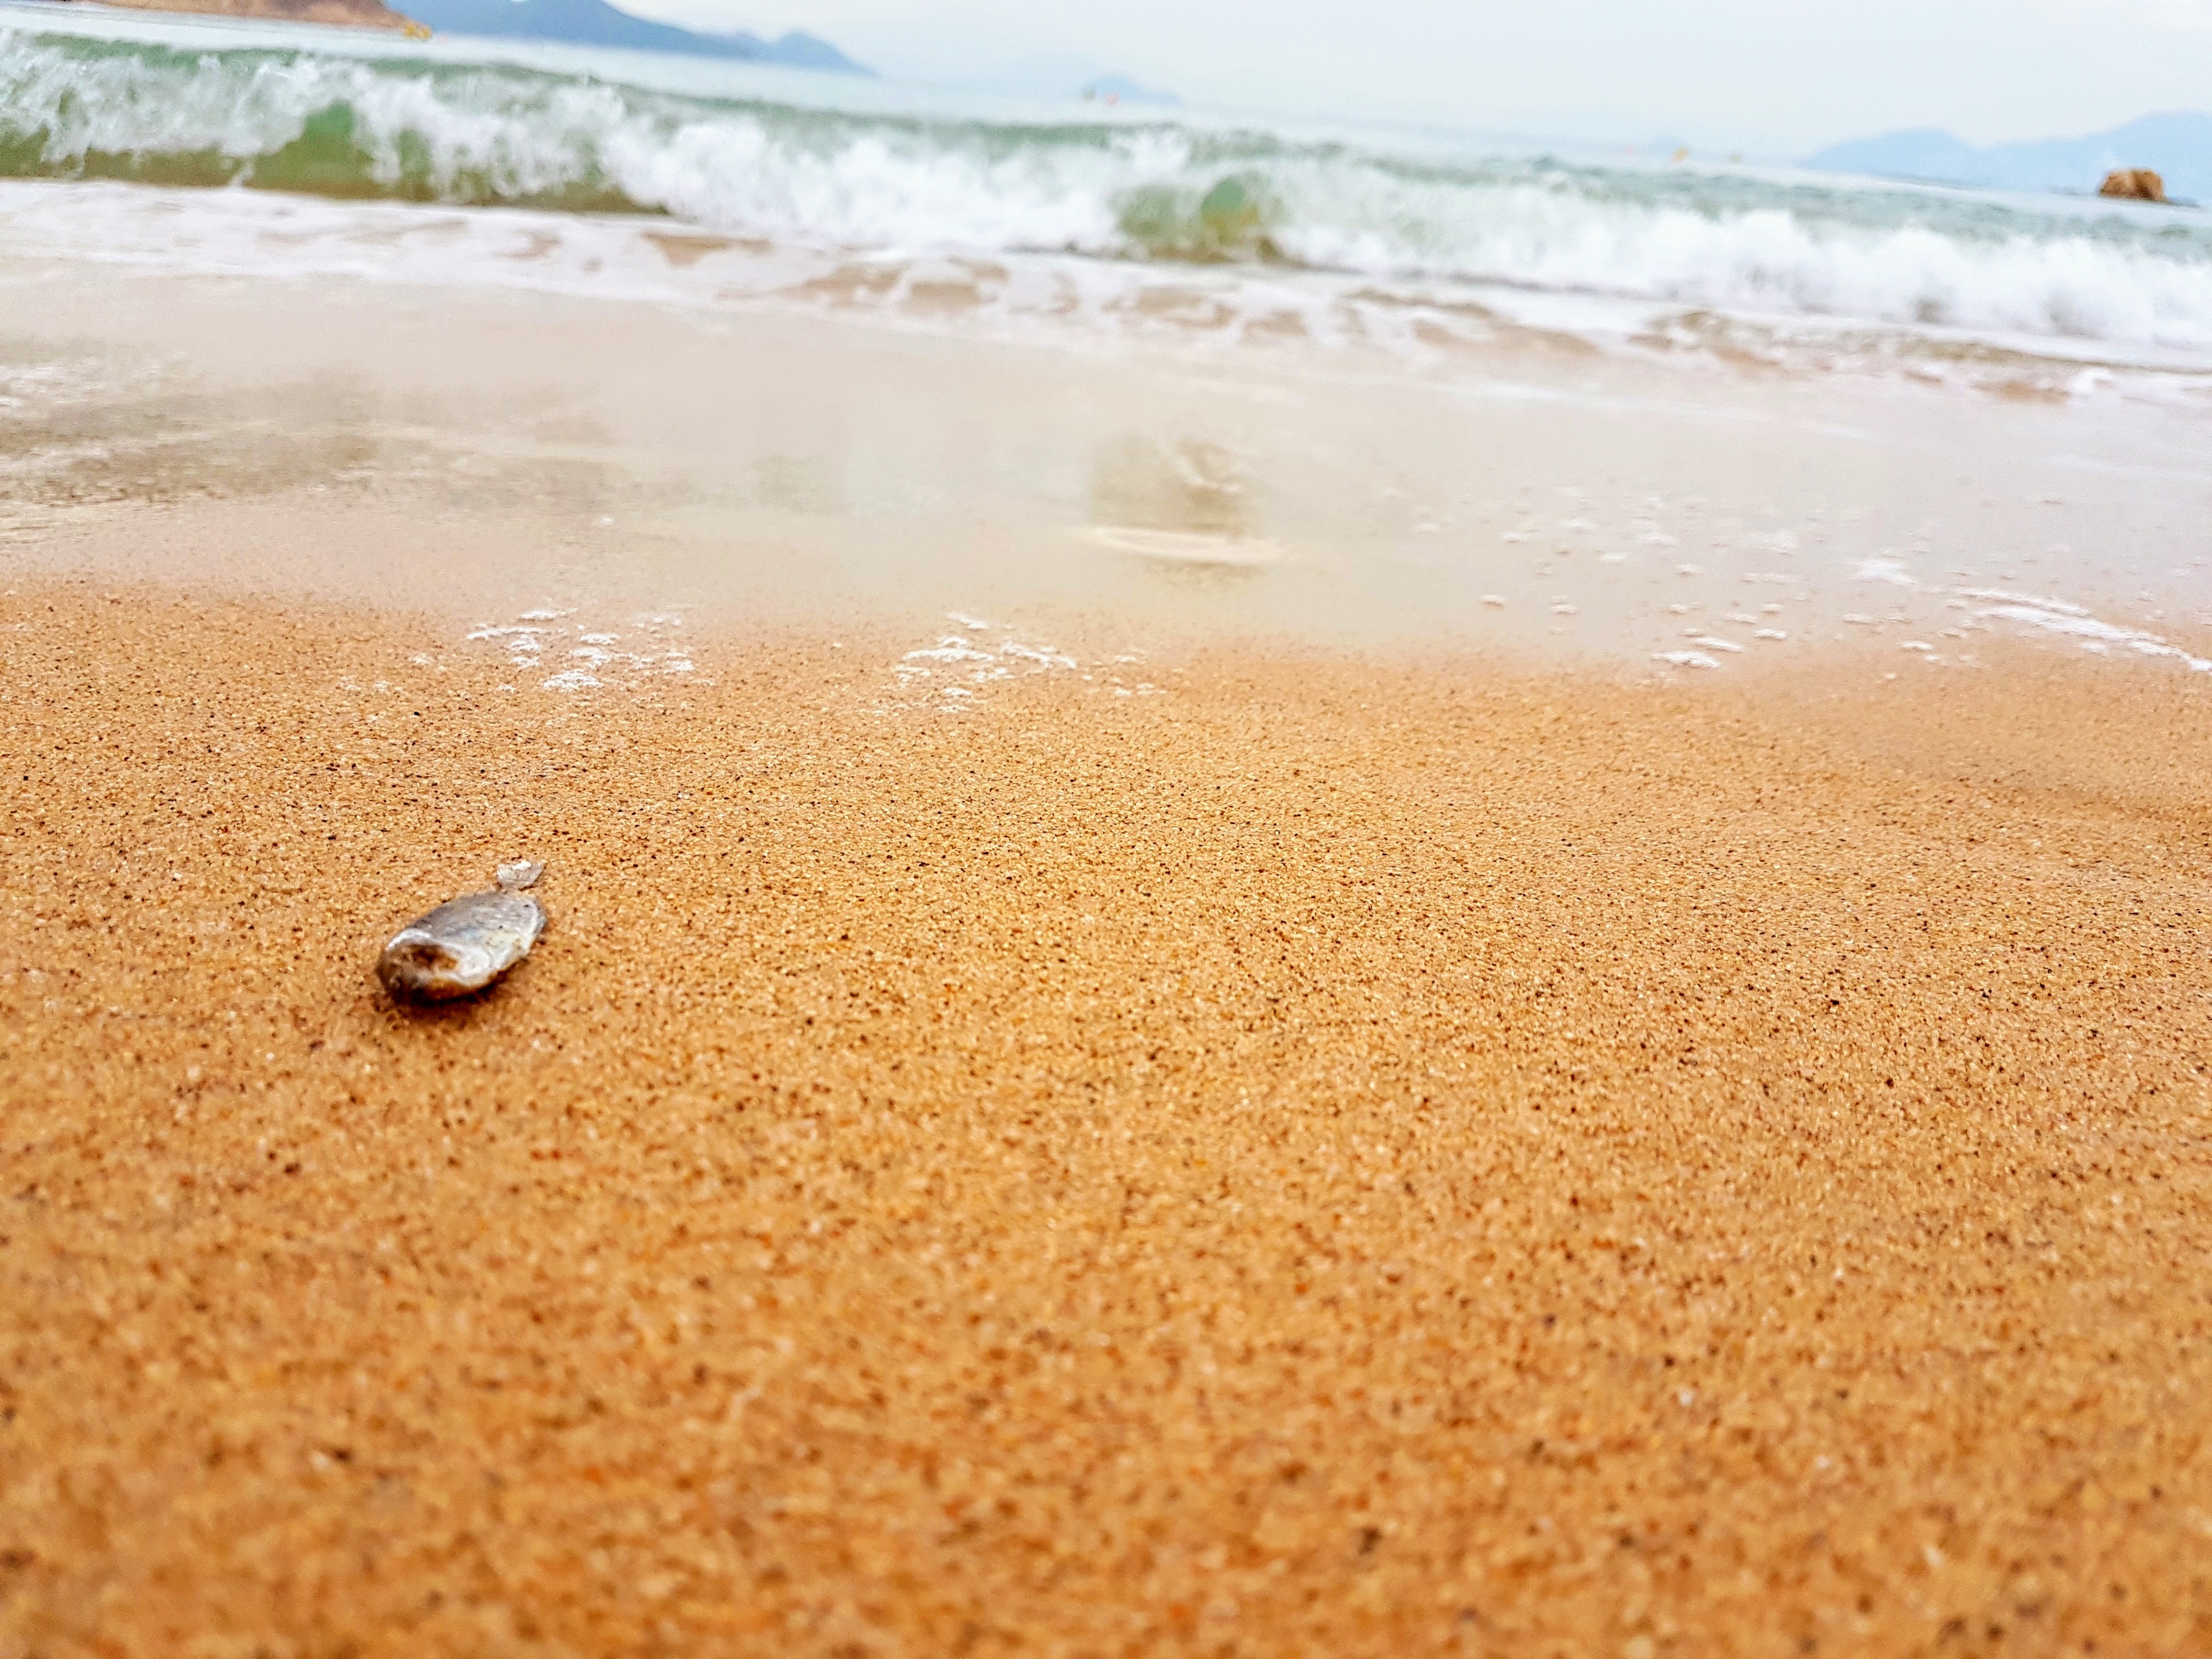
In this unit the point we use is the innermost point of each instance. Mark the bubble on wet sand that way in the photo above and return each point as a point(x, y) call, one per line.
point(594, 653)
point(959, 671)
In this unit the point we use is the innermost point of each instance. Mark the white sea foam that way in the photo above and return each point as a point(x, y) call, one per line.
point(1887, 569)
point(2004, 596)
point(2095, 635)
point(957, 673)
point(594, 654)
point(2043, 615)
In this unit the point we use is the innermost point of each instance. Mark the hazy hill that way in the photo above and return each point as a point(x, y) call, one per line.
point(2179, 146)
point(595, 23)
point(990, 49)
point(349, 14)
point(1123, 89)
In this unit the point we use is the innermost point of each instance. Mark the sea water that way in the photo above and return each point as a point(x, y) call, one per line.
point(905, 195)
point(652, 341)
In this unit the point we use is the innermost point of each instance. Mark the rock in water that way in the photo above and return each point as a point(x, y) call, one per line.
point(2134, 185)
point(461, 948)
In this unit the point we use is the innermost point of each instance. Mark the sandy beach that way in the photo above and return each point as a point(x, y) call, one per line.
point(1463, 911)
point(1355, 1154)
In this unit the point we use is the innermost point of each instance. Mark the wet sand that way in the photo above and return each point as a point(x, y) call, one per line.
point(485, 455)
point(1349, 1155)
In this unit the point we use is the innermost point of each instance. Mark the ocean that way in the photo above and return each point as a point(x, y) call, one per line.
point(658, 337)
point(702, 182)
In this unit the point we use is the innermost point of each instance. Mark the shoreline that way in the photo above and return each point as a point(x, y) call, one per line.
point(1376, 1153)
point(490, 457)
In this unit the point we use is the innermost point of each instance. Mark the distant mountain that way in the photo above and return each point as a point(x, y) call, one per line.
point(595, 23)
point(1049, 76)
point(990, 48)
point(1121, 89)
point(2179, 146)
point(347, 13)
point(795, 50)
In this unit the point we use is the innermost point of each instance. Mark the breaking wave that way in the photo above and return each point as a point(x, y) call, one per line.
point(438, 128)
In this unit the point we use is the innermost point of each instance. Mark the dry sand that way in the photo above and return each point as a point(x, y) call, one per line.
point(1345, 1158)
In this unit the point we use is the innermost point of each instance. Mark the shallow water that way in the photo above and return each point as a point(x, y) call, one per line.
point(586, 488)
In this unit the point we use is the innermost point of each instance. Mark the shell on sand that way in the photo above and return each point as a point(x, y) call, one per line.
point(462, 947)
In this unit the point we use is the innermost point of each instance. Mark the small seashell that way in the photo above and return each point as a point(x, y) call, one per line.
point(462, 947)
point(519, 876)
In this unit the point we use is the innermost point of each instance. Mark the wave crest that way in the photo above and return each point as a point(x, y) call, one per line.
point(497, 134)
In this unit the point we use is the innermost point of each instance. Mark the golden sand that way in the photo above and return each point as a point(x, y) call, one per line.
point(1344, 1158)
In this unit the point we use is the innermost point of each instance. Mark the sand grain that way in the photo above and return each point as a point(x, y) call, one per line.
point(1343, 1159)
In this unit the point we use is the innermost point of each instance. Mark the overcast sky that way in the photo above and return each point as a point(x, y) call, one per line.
point(1778, 76)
